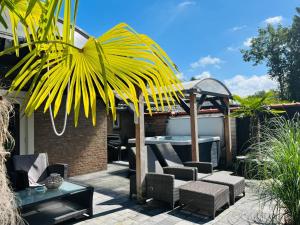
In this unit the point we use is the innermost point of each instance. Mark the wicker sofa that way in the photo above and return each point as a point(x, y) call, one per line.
point(32, 170)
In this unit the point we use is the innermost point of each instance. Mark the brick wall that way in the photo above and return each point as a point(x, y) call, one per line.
point(156, 125)
point(83, 148)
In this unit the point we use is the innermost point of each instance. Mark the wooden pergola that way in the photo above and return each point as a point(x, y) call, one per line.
point(196, 93)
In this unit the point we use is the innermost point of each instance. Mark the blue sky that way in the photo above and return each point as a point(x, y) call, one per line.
point(203, 37)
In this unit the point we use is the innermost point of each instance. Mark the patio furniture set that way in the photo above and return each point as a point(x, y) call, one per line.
point(192, 184)
point(168, 179)
point(52, 206)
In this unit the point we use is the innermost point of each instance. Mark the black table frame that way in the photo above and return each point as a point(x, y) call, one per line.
point(82, 198)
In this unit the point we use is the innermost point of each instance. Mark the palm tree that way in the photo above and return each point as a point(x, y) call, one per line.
point(8, 209)
point(118, 62)
point(254, 107)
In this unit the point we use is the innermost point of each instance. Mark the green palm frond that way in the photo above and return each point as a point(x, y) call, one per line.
point(252, 106)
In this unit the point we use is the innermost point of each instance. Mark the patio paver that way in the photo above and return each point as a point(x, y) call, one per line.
point(113, 206)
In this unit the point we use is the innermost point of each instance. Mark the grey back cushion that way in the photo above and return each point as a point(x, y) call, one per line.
point(153, 165)
point(35, 165)
point(167, 155)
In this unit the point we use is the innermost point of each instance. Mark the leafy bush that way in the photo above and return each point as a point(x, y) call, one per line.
point(279, 152)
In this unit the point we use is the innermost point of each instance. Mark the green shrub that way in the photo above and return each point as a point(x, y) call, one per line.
point(279, 151)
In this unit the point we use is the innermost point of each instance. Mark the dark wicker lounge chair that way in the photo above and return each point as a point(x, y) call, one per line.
point(34, 169)
point(169, 160)
point(158, 186)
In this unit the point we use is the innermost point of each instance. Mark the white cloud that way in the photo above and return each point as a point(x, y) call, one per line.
point(243, 85)
point(185, 4)
point(205, 61)
point(247, 42)
point(274, 20)
point(204, 74)
point(237, 28)
point(232, 49)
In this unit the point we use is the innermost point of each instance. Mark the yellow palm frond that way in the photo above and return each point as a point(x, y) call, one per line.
point(22, 20)
point(120, 61)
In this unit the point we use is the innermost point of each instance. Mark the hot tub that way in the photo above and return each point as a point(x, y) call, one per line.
point(209, 147)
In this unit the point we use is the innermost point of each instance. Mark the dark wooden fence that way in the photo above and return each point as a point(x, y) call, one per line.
point(242, 125)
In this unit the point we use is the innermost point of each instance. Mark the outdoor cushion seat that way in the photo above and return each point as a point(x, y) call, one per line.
point(205, 197)
point(36, 168)
point(200, 176)
point(236, 184)
point(168, 157)
point(178, 183)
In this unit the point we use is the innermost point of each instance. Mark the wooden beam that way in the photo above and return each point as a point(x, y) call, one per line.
point(201, 101)
point(194, 127)
point(140, 148)
point(227, 134)
point(183, 105)
point(221, 108)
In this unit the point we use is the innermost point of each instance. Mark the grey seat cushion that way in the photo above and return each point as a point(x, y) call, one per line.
point(225, 179)
point(178, 183)
point(201, 176)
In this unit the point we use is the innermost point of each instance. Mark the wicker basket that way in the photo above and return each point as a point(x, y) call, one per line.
point(54, 181)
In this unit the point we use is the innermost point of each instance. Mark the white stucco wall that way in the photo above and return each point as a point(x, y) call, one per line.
point(208, 125)
point(26, 125)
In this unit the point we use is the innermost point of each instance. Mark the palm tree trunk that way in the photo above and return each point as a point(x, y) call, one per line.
point(8, 210)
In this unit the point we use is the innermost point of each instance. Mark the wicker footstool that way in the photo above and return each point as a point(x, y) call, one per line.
point(236, 184)
point(205, 197)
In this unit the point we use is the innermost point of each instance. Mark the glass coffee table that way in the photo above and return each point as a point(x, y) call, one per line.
point(52, 206)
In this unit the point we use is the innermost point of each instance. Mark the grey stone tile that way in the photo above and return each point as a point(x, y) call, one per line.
point(112, 205)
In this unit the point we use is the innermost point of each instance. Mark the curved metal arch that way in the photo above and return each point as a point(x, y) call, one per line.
point(198, 87)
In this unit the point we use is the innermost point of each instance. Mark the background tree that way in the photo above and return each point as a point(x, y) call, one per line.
point(293, 78)
point(270, 46)
point(279, 48)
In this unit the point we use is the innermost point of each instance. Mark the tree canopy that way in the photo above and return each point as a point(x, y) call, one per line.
point(279, 48)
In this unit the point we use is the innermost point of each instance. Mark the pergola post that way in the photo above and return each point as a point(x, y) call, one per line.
point(194, 127)
point(227, 133)
point(140, 148)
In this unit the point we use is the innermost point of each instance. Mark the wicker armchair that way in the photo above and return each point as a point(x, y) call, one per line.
point(32, 170)
point(158, 186)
